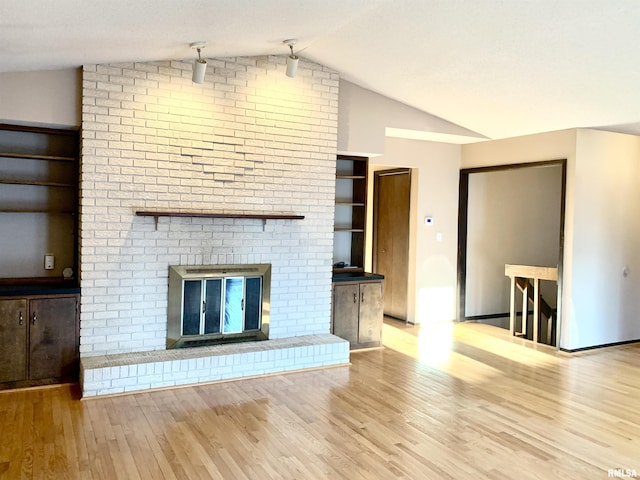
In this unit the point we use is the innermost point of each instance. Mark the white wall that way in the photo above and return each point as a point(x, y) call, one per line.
point(365, 116)
point(513, 217)
point(434, 192)
point(605, 303)
point(51, 97)
point(530, 148)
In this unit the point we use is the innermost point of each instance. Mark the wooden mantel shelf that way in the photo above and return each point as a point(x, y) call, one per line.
point(260, 216)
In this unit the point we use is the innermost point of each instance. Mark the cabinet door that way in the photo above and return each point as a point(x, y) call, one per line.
point(13, 340)
point(52, 338)
point(345, 312)
point(371, 313)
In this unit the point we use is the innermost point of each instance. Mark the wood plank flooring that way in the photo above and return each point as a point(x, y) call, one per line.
point(443, 402)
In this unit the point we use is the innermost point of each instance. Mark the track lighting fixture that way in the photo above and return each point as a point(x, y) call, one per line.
point(292, 59)
point(199, 64)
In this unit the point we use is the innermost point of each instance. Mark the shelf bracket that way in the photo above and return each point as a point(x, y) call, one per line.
point(155, 221)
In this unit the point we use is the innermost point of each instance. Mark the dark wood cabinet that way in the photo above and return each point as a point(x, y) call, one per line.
point(53, 349)
point(345, 311)
point(13, 340)
point(38, 340)
point(371, 313)
point(357, 312)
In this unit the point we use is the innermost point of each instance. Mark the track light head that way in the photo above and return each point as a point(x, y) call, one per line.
point(292, 59)
point(199, 64)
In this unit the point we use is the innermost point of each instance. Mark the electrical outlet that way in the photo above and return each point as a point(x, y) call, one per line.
point(49, 261)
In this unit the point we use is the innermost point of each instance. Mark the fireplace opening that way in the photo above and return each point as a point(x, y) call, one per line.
point(218, 304)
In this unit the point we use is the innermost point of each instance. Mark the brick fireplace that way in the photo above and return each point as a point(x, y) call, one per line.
point(249, 140)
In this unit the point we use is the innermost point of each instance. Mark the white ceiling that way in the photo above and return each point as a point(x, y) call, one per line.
point(498, 67)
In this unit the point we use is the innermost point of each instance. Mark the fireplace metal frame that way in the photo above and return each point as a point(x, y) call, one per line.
point(178, 274)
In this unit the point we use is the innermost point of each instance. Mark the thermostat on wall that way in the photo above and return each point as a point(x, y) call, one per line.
point(428, 220)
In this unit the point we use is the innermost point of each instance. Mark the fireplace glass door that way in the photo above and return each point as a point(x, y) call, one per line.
point(224, 305)
point(233, 304)
point(191, 311)
point(213, 304)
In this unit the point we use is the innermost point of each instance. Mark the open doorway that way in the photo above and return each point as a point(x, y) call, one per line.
point(512, 214)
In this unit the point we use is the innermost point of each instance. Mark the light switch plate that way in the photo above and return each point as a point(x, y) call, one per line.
point(49, 261)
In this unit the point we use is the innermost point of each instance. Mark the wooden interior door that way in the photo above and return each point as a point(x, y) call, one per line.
point(13, 340)
point(392, 190)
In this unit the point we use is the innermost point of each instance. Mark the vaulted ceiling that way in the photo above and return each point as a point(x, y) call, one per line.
point(498, 67)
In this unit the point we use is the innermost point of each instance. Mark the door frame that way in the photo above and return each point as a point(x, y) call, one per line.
point(374, 243)
point(463, 206)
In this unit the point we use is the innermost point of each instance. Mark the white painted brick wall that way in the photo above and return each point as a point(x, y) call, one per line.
point(250, 139)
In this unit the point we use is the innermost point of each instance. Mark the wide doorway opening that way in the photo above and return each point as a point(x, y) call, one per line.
point(510, 215)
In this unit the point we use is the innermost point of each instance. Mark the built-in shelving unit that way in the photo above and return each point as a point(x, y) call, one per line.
point(38, 202)
point(350, 214)
point(39, 306)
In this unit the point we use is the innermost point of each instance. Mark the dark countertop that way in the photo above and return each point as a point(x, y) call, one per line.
point(62, 288)
point(356, 276)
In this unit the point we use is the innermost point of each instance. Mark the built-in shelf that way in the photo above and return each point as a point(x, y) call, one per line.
point(4, 281)
point(30, 156)
point(42, 210)
point(37, 183)
point(350, 213)
point(36, 129)
point(259, 216)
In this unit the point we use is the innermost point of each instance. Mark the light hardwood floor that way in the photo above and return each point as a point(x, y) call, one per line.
point(444, 402)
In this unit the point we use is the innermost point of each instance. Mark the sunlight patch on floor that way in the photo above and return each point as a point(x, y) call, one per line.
point(434, 345)
point(443, 345)
point(499, 342)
